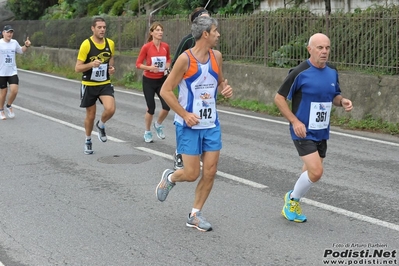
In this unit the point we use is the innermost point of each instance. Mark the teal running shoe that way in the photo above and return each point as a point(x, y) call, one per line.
point(159, 131)
point(148, 137)
point(292, 210)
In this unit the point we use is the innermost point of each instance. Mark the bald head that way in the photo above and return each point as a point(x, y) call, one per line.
point(317, 37)
point(319, 49)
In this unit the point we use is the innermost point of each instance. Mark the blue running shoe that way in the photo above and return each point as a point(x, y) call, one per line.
point(198, 221)
point(292, 209)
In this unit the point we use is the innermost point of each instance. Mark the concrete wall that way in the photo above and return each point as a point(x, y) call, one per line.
point(375, 95)
point(318, 6)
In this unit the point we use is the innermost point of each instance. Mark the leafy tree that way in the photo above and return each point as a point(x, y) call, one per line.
point(60, 11)
point(29, 9)
point(215, 7)
point(240, 7)
point(88, 7)
point(117, 8)
point(66, 9)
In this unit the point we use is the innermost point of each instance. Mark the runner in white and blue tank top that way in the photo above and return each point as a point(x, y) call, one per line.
point(198, 91)
point(198, 75)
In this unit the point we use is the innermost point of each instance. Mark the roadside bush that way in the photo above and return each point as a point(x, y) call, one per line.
point(38, 38)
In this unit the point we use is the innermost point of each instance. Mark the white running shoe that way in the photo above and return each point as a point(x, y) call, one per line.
point(2, 115)
point(10, 112)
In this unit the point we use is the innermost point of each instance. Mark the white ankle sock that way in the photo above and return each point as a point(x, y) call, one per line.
point(101, 124)
point(194, 210)
point(170, 178)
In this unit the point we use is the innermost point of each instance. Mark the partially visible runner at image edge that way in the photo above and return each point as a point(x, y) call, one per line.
point(8, 70)
point(313, 87)
point(157, 56)
point(186, 43)
point(96, 61)
point(198, 75)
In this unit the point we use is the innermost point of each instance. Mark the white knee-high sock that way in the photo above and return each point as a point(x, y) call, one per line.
point(302, 186)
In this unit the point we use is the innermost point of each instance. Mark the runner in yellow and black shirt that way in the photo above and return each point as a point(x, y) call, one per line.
point(96, 62)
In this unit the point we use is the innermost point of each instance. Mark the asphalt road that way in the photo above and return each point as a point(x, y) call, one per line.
point(61, 207)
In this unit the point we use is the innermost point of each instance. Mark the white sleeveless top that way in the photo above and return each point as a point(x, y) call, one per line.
point(198, 91)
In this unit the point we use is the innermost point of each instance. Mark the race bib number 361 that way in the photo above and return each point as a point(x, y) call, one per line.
point(319, 116)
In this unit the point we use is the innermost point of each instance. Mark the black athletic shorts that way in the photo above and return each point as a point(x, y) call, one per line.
point(306, 147)
point(10, 80)
point(90, 94)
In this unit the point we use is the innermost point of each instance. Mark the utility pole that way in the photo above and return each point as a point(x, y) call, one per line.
point(328, 6)
point(328, 12)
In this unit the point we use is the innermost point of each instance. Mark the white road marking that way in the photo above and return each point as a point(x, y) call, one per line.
point(225, 175)
point(355, 215)
point(317, 204)
point(62, 122)
point(48, 75)
point(331, 131)
point(286, 123)
point(238, 114)
point(238, 179)
point(320, 205)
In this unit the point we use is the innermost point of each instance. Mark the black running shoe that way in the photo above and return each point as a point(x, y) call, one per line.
point(178, 161)
point(101, 133)
point(88, 149)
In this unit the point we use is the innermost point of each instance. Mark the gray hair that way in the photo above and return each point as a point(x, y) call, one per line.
point(201, 24)
point(310, 41)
